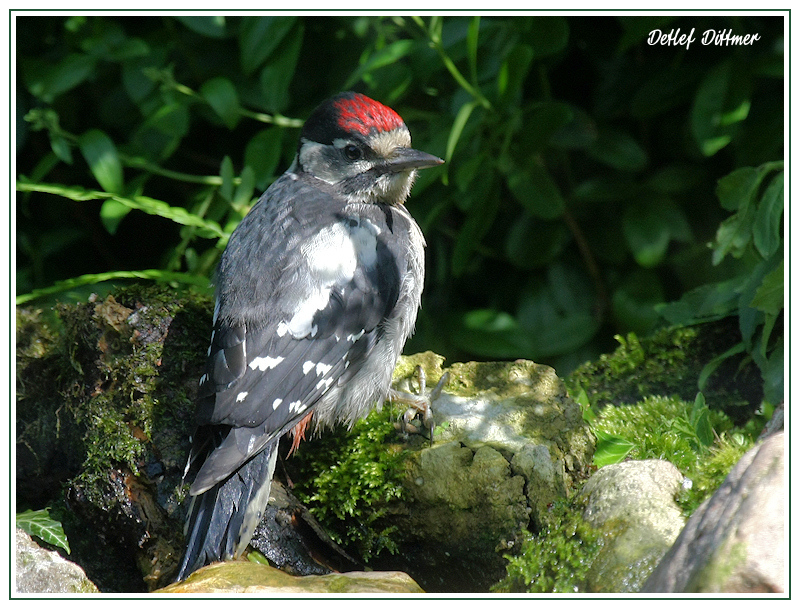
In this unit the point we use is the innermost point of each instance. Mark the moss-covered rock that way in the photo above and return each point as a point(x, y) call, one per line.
point(670, 363)
point(508, 442)
point(105, 402)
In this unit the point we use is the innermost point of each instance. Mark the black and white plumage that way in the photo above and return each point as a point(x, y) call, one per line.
point(317, 292)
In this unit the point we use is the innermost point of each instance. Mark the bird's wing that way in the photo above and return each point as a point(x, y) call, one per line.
point(321, 317)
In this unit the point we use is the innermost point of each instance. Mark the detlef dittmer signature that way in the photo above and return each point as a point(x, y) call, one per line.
point(709, 37)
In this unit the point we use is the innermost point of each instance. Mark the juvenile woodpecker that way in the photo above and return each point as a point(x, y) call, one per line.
point(316, 294)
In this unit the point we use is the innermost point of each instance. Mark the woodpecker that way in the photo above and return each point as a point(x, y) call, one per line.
point(316, 293)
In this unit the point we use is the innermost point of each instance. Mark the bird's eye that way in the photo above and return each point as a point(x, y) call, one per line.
point(352, 152)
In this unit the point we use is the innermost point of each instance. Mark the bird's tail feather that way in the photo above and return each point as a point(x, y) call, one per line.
point(222, 520)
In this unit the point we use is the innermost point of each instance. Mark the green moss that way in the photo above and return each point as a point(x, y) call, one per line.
point(669, 363)
point(350, 480)
point(558, 559)
point(660, 428)
point(118, 372)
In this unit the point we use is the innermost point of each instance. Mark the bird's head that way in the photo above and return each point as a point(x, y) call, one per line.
point(362, 148)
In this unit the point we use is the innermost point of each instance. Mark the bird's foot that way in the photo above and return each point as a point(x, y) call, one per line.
point(419, 404)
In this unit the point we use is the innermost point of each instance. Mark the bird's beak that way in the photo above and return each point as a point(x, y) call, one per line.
point(403, 159)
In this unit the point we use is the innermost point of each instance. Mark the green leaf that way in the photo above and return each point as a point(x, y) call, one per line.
point(603, 189)
point(262, 154)
point(737, 189)
point(634, 302)
point(458, 126)
point(101, 155)
point(489, 333)
point(722, 101)
point(213, 27)
point(47, 81)
point(769, 295)
point(542, 122)
point(276, 76)
point(112, 213)
point(705, 303)
point(227, 174)
point(39, 524)
point(734, 235)
point(711, 366)
point(619, 150)
point(388, 55)
point(259, 36)
point(557, 315)
point(578, 134)
point(701, 424)
point(772, 373)
point(76, 282)
point(221, 95)
point(610, 449)
point(649, 227)
point(513, 73)
point(767, 226)
point(244, 192)
point(61, 147)
point(537, 192)
point(145, 204)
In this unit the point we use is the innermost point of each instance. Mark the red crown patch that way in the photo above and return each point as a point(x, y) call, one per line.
point(362, 114)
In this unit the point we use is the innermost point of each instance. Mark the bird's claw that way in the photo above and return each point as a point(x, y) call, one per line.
point(420, 403)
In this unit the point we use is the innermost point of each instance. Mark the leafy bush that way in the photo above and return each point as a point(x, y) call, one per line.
point(577, 194)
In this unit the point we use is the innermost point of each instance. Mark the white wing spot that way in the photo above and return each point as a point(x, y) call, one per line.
point(322, 369)
point(355, 337)
point(264, 363)
point(308, 366)
point(241, 396)
point(324, 383)
point(297, 406)
point(203, 378)
point(276, 403)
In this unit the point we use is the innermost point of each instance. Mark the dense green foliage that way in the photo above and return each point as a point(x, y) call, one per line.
point(578, 193)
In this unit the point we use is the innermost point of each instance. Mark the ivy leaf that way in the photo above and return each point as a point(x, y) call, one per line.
point(39, 524)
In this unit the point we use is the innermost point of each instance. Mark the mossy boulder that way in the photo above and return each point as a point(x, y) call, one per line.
point(105, 404)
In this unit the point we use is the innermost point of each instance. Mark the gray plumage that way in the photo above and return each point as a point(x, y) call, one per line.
point(317, 292)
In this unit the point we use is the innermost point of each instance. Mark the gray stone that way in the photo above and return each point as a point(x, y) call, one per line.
point(734, 542)
point(508, 442)
point(633, 503)
point(44, 571)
